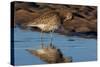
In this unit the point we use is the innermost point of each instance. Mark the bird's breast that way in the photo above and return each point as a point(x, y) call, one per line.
point(47, 28)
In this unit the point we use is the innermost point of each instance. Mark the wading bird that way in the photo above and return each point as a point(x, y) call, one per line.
point(47, 22)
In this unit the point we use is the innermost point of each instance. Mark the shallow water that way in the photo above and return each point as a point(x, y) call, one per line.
point(80, 49)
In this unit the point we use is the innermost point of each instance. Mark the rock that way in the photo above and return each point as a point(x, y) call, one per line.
point(79, 25)
point(74, 18)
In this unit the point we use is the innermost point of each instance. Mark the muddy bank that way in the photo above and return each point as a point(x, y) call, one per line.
point(82, 19)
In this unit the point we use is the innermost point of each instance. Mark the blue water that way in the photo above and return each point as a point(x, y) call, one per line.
point(80, 49)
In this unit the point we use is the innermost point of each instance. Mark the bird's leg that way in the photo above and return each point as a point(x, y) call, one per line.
point(42, 44)
point(51, 38)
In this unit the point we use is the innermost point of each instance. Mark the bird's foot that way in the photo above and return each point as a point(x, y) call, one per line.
point(51, 45)
point(42, 45)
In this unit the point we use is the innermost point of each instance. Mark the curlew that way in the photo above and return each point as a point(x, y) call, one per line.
point(47, 22)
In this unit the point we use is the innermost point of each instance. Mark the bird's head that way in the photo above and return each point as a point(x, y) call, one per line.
point(67, 16)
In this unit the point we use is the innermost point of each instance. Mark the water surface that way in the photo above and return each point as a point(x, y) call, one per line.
point(80, 49)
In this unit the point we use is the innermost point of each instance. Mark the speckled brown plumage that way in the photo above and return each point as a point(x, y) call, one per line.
point(46, 22)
